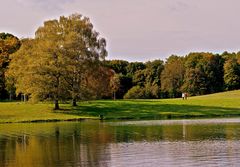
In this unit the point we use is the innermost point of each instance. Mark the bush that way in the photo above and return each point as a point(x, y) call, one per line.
point(135, 92)
point(147, 92)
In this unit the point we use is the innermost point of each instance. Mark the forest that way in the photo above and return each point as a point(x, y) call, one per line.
point(67, 61)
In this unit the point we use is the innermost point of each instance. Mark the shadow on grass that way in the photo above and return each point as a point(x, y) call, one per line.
point(147, 109)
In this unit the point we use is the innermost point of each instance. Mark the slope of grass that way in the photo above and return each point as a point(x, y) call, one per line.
point(215, 105)
point(21, 112)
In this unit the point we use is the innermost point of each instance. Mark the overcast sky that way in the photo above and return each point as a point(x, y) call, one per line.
point(138, 30)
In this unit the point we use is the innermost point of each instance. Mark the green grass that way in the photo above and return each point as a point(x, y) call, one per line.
point(11, 112)
point(216, 105)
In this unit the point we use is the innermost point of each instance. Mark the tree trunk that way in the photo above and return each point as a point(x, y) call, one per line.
point(10, 96)
point(56, 93)
point(56, 105)
point(114, 95)
point(74, 102)
point(25, 97)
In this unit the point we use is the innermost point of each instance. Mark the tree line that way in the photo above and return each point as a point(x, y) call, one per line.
point(196, 73)
point(66, 61)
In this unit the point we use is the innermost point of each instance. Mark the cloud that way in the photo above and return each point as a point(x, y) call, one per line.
point(49, 5)
point(179, 5)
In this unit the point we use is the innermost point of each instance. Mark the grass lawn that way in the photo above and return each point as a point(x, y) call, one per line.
point(215, 105)
point(20, 112)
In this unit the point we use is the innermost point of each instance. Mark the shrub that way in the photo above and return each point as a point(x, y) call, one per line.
point(135, 92)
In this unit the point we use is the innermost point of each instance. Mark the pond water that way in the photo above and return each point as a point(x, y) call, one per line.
point(210, 142)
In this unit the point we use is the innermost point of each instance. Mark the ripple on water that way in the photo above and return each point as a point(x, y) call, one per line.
point(208, 142)
point(193, 153)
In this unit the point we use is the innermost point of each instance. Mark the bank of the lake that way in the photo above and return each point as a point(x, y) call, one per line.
point(225, 104)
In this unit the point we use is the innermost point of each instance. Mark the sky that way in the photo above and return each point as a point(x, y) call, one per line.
point(138, 30)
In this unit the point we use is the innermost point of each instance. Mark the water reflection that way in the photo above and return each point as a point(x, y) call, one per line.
point(93, 143)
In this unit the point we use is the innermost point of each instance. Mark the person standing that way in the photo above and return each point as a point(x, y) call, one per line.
point(183, 96)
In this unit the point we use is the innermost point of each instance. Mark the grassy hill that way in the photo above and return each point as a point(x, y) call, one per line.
point(225, 104)
point(214, 105)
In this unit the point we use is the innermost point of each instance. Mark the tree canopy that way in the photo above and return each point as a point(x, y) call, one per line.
point(60, 60)
point(172, 76)
point(8, 45)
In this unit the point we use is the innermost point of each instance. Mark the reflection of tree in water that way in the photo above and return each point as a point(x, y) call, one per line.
point(90, 147)
point(6, 151)
point(83, 144)
point(73, 146)
point(9, 146)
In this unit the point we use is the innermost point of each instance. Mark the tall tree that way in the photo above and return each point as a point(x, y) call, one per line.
point(62, 54)
point(133, 67)
point(204, 73)
point(153, 71)
point(232, 73)
point(172, 76)
point(119, 66)
point(148, 80)
point(8, 45)
point(115, 84)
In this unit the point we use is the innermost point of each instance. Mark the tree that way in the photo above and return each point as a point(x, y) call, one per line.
point(115, 84)
point(133, 67)
point(98, 84)
point(8, 45)
point(153, 72)
point(172, 76)
point(152, 91)
point(119, 66)
point(62, 55)
point(139, 78)
point(135, 92)
point(204, 73)
point(148, 79)
point(232, 74)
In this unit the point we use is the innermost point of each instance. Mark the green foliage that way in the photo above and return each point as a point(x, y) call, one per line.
point(232, 74)
point(119, 66)
point(133, 67)
point(173, 75)
point(153, 71)
point(148, 79)
point(204, 73)
point(139, 78)
point(135, 92)
point(8, 45)
point(115, 84)
point(147, 92)
point(56, 63)
point(152, 91)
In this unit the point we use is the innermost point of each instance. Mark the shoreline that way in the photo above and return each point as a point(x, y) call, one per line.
point(189, 117)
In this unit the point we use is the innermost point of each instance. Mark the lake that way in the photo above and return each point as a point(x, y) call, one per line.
point(203, 142)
